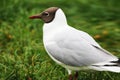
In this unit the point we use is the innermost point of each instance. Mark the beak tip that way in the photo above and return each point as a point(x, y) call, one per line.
point(31, 17)
point(35, 17)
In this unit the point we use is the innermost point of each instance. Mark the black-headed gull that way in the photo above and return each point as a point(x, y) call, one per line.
point(71, 48)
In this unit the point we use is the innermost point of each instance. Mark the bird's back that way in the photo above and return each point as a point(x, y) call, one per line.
point(76, 48)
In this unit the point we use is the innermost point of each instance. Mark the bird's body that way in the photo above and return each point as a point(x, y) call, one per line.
point(74, 49)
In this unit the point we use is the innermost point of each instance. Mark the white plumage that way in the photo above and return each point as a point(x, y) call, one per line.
point(75, 49)
point(71, 48)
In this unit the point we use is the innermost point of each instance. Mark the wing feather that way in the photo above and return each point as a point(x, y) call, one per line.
point(76, 50)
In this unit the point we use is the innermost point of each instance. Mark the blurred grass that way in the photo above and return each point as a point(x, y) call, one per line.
point(22, 55)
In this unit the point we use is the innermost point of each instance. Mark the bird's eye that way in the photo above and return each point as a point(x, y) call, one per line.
point(46, 14)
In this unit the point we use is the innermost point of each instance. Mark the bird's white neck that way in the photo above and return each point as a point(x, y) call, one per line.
point(58, 22)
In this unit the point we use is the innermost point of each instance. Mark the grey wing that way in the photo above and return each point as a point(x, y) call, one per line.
point(73, 50)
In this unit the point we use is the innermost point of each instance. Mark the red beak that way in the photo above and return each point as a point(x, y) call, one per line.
point(38, 16)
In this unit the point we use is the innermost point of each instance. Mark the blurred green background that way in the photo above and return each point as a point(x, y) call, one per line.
point(22, 55)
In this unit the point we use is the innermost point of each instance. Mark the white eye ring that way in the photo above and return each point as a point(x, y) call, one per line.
point(46, 13)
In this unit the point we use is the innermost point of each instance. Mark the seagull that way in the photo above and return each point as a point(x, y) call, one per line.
point(71, 48)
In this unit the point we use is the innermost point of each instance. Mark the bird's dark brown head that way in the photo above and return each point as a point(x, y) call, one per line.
point(47, 15)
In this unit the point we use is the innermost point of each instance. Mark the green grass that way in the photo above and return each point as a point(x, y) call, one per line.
point(22, 54)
